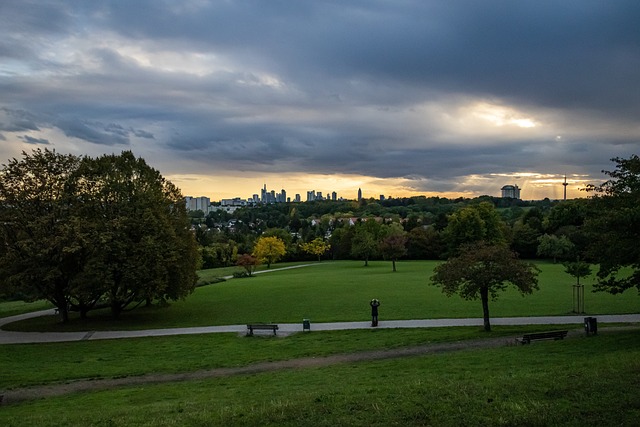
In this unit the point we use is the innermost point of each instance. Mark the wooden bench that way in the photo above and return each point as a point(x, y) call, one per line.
point(552, 335)
point(261, 326)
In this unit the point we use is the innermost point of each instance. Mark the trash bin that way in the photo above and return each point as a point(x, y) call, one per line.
point(591, 325)
point(306, 325)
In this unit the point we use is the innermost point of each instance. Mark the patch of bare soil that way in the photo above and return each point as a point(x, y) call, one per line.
point(39, 392)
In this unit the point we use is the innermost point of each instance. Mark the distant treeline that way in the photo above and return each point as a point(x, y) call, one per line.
point(523, 225)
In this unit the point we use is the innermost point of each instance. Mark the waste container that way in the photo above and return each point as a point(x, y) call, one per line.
point(591, 325)
point(306, 325)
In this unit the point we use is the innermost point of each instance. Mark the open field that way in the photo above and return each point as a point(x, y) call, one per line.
point(340, 291)
point(581, 381)
point(176, 354)
point(576, 382)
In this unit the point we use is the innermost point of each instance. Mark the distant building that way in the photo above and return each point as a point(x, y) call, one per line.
point(311, 196)
point(236, 201)
point(198, 203)
point(297, 199)
point(511, 191)
point(334, 196)
point(359, 194)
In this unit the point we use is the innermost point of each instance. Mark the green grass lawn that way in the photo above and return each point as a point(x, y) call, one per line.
point(340, 291)
point(185, 353)
point(12, 308)
point(576, 382)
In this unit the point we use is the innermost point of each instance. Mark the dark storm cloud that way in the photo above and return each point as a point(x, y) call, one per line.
point(17, 120)
point(328, 86)
point(35, 141)
point(94, 132)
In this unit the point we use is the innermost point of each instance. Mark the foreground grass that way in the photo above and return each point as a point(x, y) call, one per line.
point(576, 382)
point(340, 291)
point(188, 353)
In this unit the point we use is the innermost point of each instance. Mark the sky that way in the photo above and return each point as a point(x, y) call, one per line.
point(397, 97)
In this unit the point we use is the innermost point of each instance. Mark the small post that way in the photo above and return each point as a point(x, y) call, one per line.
point(578, 298)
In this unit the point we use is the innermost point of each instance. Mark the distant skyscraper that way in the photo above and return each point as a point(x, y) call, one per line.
point(263, 194)
point(359, 194)
point(334, 196)
point(564, 184)
point(297, 199)
point(311, 196)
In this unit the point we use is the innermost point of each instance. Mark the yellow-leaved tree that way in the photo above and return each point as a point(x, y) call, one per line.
point(316, 247)
point(269, 250)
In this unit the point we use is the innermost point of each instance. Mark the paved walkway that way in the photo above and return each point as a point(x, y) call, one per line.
point(10, 337)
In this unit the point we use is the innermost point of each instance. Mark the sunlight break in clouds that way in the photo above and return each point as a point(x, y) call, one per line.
point(502, 116)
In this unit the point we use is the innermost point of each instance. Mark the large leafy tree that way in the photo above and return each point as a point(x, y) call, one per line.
point(363, 244)
point(474, 223)
point(394, 243)
point(614, 225)
point(555, 247)
point(482, 270)
point(269, 249)
point(141, 245)
point(41, 248)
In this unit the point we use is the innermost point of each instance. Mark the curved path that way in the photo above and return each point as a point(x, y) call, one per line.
point(11, 337)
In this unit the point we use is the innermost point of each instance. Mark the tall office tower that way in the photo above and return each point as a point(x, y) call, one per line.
point(311, 196)
point(297, 199)
point(334, 196)
point(319, 196)
point(263, 194)
point(359, 194)
point(284, 196)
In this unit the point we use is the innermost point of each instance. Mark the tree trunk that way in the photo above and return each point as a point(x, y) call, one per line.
point(393, 262)
point(116, 308)
point(366, 262)
point(64, 314)
point(60, 301)
point(484, 296)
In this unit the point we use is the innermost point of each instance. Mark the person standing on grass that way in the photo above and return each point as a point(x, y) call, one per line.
point(374, 311)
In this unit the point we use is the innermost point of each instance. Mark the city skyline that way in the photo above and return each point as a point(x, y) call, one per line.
point(450, 99)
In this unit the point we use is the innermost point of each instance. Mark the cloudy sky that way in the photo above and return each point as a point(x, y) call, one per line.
point(398, 97)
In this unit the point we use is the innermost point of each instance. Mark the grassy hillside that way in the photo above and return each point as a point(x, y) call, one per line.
point(340, 291)
point(576, 382)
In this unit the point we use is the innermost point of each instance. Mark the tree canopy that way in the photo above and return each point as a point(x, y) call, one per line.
point(316, 247)
point(82, 232)
point(481, 271)
point(269, 249)
point(40, 256)
point(393, 244)
point(614, 227)
point(480, 222)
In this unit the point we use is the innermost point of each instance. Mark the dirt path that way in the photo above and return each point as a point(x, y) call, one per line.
point(51, 390)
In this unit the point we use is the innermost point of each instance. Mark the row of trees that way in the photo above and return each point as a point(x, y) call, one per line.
point(87, 232)
point(433, 230)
